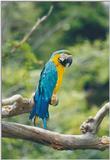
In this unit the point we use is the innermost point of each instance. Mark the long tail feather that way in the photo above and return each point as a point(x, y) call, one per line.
point(40, 109)
point(44, 123)
point(32, 114)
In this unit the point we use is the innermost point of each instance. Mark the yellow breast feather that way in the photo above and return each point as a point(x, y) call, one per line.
point(60, 71)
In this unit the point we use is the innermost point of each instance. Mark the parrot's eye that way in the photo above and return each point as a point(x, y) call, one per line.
point(65, 60)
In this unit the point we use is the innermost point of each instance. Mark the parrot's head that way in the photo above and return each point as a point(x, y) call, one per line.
point(64, 57)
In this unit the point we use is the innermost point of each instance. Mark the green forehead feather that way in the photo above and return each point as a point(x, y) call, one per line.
point(60, 52)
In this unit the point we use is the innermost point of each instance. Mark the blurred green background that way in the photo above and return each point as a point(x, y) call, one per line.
point(82, 28)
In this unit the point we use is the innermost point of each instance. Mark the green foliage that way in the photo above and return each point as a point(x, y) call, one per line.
point(80, 27)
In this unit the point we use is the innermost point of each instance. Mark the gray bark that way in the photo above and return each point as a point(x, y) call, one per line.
point(53, 139)
point(17, 104)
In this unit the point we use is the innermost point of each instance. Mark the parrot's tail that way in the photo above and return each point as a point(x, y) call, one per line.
point(36, 121)
point(40, 109)
point(44, 123)
point(33, 112)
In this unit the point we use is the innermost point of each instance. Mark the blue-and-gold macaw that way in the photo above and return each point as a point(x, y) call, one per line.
point(49, 83)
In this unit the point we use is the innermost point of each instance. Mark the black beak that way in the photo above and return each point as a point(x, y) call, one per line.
point(66, 60)
point(69, 61)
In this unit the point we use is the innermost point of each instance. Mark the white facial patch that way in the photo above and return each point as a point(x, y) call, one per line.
point(67, 65)
point(62, 59)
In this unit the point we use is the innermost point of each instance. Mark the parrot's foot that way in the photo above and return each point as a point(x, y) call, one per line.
point(54, 100)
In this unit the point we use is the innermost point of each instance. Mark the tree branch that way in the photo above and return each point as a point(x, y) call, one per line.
point(36, 25)
point(91, 125)
point(16, 105)
point(53, 139)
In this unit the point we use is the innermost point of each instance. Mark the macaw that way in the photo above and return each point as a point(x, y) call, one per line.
point(49, 83)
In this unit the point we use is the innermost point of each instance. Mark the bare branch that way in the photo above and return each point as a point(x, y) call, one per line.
point(36, 25)
point(101, 114)
point(11, 100)
point(53, 139)
point(16, 105)
point(92, 124)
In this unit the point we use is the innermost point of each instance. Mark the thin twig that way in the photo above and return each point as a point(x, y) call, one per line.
point(26, 37)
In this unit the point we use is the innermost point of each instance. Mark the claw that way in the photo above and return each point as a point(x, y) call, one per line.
point(54, 100)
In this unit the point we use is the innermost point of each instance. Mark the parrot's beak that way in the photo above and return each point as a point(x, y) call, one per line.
point(66, 60)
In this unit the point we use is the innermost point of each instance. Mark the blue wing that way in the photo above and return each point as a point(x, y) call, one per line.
point(43, 94)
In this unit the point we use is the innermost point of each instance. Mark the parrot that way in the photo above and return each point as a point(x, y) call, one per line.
point(49, 83)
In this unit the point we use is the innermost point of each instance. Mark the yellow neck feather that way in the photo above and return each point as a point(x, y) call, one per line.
point(60, 71)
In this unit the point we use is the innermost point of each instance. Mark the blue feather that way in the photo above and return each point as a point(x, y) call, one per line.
point(45, 123)
point(47, 83)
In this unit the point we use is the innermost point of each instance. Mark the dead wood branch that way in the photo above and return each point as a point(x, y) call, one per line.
point(92, 124)
point(53, 139)
point(17, 105)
